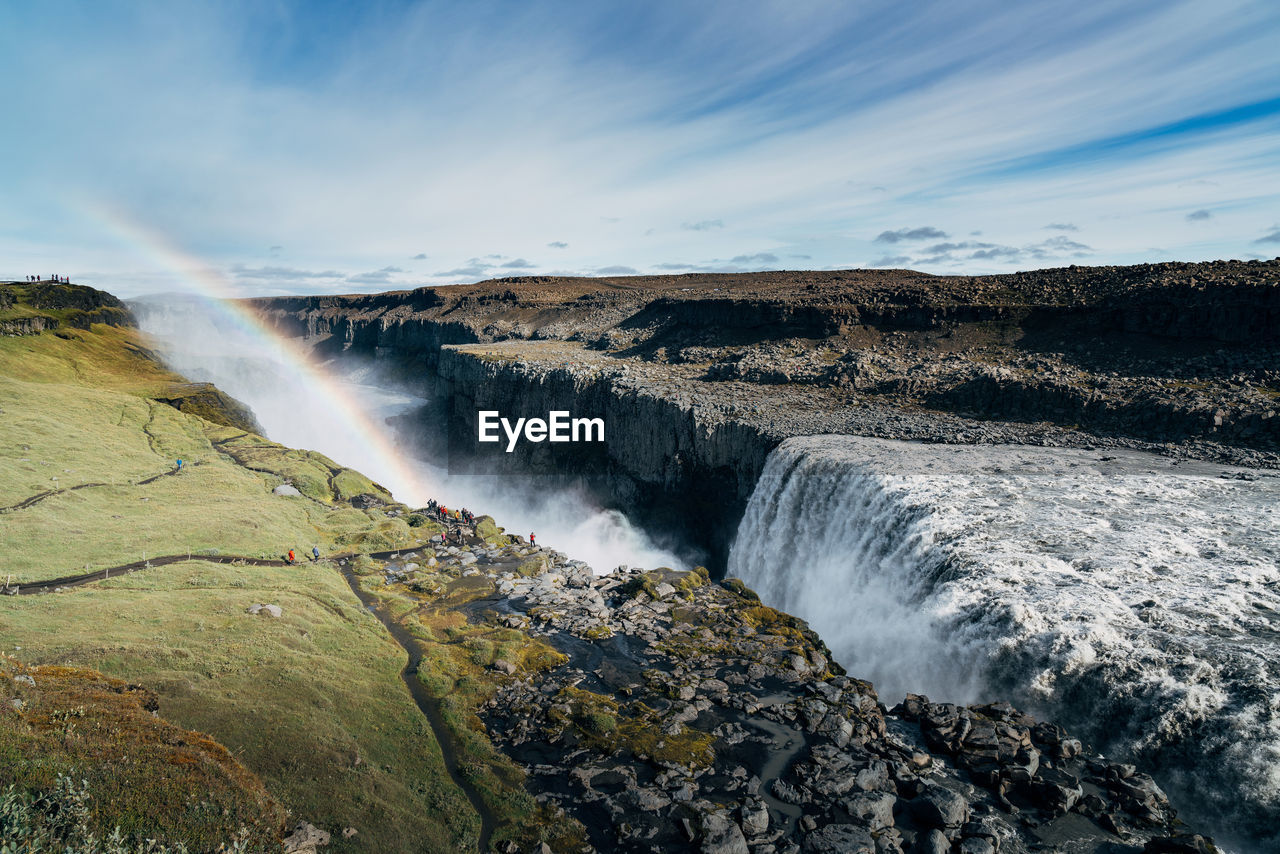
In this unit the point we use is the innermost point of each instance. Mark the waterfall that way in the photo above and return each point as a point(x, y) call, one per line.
point(853, 553)
point(1132, 598)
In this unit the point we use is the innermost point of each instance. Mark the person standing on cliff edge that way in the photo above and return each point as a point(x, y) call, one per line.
point(531, 536)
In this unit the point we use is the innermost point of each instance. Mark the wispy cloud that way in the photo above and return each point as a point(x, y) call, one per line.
point(267, 273)
point(1272, 237)
point(907, 234)
point(384, 276)
point(758, 258)
point(472, 270)
point(347, 132)
point(1062, 226)
point(617, 270)
point(890, 261)
point(968, 251)
point(518, 263)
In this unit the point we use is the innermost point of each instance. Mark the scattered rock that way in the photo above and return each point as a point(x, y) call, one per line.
point(305, 839)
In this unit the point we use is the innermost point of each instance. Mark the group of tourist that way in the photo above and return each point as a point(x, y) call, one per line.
point(444, 514)
point(461, 516)
point(61, 280)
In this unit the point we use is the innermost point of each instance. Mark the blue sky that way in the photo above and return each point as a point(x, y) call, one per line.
point(328, 147)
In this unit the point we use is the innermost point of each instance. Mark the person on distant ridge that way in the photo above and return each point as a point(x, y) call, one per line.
point(291, 558)
point(531, 537)
point(179, 465)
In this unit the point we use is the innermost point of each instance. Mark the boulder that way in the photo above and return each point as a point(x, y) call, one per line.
point(931, 842)
point(287, 490)
point(939, 807)
point(840, 839)
point(266, 610)
point(721, 835)
point(976, 845)
point(875, 809)
point(305, 839)
point(1182, 844)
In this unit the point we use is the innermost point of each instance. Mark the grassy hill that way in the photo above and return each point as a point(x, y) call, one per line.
point(310, 706)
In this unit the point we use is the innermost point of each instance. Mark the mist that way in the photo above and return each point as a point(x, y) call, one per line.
point(340, 409)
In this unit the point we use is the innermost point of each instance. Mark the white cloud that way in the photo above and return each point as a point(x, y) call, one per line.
point(713, 153)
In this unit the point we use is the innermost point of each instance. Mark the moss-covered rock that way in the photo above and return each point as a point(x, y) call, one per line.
point(210, 403)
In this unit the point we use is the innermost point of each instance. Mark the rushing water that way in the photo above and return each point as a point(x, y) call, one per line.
point(204, 342)
point(1129, 597)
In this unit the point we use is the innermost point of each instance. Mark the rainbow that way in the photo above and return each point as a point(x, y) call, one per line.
point(216, 290)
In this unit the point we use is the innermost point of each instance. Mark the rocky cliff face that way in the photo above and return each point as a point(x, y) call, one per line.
point(698, 377)
point(674, 713)
point(29, 308)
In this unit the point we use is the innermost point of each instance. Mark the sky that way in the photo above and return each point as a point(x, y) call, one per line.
point(334, 147)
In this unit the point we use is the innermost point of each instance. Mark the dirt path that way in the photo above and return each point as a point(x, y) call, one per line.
point(41, 496)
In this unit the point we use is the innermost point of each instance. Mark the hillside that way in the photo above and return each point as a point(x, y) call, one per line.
point(311, 703)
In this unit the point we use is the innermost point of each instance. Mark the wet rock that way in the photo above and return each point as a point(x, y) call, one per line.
point(839, 839)
point(875, 810)
point(940, 808)
point(1056, 791)
point(931, 842)
point(787, 793)
point(721, 835)
point(754, 818)
point(975, 845)
point(1182, 844)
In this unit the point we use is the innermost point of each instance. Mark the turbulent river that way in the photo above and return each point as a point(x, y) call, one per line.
point(1134, 599)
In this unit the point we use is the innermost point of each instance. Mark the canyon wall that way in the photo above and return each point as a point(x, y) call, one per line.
point(699, 377)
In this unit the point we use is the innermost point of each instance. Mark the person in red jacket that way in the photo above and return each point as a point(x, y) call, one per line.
point(531, 537)
point(291, 558)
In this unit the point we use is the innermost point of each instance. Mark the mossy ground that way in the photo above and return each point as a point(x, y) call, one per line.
point(312, 703)
point(457, 669)
point(146, 778)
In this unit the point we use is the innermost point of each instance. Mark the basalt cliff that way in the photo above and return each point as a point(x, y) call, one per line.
point(699, 376)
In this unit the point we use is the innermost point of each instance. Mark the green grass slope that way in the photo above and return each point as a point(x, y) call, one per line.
point(312, 703)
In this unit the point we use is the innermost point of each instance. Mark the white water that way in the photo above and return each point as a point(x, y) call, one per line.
point(202, 342)
point(1135, 600)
